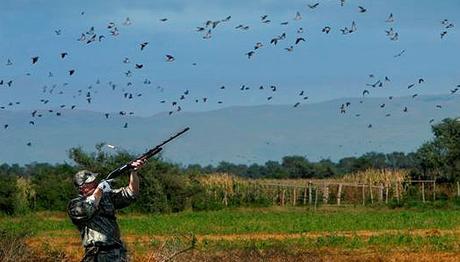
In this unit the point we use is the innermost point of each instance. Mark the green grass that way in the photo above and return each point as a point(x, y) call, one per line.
point(265, 220)
point(385, 243)
point(328, 222)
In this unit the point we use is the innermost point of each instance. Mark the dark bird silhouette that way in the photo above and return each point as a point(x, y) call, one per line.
point(453, 91)
point(35, 59)
point(126, 125)
point(299, 39)
point(250, 54)
point(71, 71)
point(405, 109)
point(362, 9)
point(169, 58)
point(443, 34)
point(390, 18)
point(297, 104)
point(410, 86)
point(326, 29)
point(400, 53)
point(274, 41)
point(164, 19)
point(64, 54)
point(143, 45)
point(313, 5)
point(139, 66)
point(395, 37)
point(29, 144)
point(421, 80)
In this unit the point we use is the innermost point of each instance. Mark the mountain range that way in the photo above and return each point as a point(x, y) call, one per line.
point(238, 134)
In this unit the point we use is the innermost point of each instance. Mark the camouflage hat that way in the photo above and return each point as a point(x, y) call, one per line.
point(83, 177)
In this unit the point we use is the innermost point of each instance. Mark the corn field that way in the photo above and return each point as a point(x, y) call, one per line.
point(361, 188)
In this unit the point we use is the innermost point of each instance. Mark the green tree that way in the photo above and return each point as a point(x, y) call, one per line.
point(441, 156)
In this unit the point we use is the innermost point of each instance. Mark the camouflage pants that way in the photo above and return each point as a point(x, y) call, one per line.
point(95, 254)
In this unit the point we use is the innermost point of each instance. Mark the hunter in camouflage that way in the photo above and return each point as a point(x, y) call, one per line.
point(93, 212)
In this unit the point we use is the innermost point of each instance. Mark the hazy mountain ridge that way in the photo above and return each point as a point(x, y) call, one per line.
point(241, 134)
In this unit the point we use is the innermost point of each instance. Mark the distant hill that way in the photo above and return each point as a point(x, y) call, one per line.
point(235, 134)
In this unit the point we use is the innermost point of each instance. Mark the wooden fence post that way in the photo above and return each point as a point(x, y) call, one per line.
point(283, 196)
point(387, 191)
point(423, 192)
point(326, 194)
point(225, 197)
point(310, 199)
point(294, 196)
point(364, 195)
point(316, 197)
point(339, 193)
point(381, 193)
point(397, 191)
point(434, 190)
point(371, 193)
point(458, 189)
point(304, 196)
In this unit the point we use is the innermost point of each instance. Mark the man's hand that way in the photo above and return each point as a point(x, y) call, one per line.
point(104, 186)
point(138, 164)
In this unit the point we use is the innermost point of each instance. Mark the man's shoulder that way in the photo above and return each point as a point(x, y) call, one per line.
point(75, 203)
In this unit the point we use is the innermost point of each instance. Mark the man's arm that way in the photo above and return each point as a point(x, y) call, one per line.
point(124, 196)
point(134, 182)
point(134, 178)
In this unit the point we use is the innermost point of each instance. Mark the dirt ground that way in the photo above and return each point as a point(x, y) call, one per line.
point(66, 246)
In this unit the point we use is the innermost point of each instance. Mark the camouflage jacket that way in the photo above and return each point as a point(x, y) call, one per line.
point(98, 225)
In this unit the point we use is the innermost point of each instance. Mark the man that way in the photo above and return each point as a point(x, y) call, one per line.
point(93, 212)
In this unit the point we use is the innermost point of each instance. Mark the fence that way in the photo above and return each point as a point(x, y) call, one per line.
point(314, 192)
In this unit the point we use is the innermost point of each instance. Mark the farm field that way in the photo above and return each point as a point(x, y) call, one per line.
point(260, 234)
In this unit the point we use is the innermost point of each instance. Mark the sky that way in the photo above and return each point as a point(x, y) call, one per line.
point(325, 66)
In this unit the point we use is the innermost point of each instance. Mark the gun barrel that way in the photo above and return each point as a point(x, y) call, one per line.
point(119, 171)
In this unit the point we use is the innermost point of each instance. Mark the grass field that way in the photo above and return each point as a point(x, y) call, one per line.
point(263, 234)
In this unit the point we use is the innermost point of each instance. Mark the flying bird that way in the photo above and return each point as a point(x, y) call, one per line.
point(250, 54)
point(170, 58)
point(299, 39)
point(326, 29)
point(390, 18)
point(143, 45)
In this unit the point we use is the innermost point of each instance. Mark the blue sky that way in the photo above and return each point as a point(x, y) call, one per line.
point(324, 66)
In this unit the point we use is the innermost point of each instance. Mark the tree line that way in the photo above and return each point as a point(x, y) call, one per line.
point(167, 187)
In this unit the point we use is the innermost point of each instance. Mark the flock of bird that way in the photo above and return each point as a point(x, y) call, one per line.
point(206, 30)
